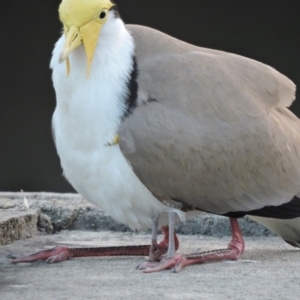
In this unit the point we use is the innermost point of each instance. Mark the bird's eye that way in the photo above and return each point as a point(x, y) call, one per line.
point(103, 14)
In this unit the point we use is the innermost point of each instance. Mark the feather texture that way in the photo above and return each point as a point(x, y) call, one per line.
point(219, 136)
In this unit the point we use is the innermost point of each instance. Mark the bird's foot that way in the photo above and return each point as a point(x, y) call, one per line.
point(166, 262)
point(61, 253)
point(56, 254)
point(156, 251)
point(159, 251)
point(177, 262)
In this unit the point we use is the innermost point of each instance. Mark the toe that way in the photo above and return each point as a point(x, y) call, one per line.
point(164, 264)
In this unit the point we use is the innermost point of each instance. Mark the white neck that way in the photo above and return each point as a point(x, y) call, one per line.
point(87, 117)
point(96, 103)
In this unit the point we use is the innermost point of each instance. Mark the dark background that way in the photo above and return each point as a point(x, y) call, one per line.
point(265, 30)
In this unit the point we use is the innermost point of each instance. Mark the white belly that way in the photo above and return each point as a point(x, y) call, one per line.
point(104, 177)
point(87, 117)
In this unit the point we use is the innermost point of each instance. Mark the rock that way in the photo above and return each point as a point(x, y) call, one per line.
point(61, 218)
point(72, 212)
point(16, 225)
point(44, 224)
point(212, 225)
point(95, 220)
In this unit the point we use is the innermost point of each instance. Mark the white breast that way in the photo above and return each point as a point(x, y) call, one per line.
point(86, 119)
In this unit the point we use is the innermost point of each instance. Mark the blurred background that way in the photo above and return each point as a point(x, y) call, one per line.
point(268, 31)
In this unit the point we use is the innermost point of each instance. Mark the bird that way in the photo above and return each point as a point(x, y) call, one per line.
point(148, 126)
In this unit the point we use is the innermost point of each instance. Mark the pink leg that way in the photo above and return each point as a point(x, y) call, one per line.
point(173, 243)
point(233, 252)
point(158, 250)
point(61, 253)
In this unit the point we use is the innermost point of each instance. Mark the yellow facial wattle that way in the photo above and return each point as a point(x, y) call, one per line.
point(82, 20)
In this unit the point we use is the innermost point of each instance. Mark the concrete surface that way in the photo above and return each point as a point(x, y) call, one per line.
point(269, 269)
point(16, 225)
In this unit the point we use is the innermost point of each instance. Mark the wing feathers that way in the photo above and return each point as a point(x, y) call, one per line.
point(219, 137)
point(210, 167)
point(222, 73)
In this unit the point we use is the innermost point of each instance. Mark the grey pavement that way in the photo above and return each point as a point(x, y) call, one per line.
point(269, 268)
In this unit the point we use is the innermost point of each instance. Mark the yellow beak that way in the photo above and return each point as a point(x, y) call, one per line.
point(73, 40)
point(86, 35)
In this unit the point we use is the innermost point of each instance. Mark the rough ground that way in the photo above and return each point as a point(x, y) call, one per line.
point(58, 212)
point(269, 269)
point(16, 225)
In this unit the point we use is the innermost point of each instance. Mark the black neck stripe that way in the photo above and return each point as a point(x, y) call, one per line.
point(132, 90)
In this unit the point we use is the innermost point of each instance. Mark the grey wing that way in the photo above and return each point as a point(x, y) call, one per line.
point(204, 80)
point(209, 164)
point(219, 137)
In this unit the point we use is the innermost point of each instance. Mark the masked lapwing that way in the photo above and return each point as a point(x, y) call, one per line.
point(146, 125)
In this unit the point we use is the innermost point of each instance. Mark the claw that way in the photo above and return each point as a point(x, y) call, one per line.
point(173, 263)
point(56, 254)
point(61, 253)
point(233, 252)
point(58, 258)
point(145, 265)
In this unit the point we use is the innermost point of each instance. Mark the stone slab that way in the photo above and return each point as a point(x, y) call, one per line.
point(72, 212)
point(16, 225)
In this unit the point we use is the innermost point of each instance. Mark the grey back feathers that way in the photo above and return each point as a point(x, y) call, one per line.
point(219, 136)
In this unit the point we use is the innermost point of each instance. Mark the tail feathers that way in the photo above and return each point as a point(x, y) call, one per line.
point(288, 229)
